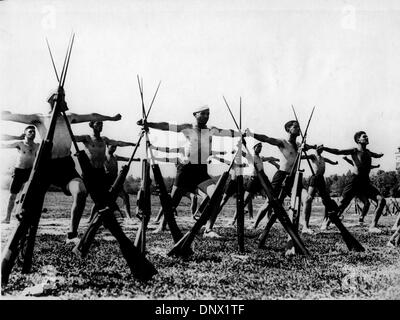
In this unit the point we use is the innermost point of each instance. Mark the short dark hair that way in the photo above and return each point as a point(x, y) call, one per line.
point(289, 124)
point(29, 127)
point(92, 122)
point(358, 134)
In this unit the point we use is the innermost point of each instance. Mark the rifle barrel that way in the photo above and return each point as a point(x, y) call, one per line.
point(52, 60)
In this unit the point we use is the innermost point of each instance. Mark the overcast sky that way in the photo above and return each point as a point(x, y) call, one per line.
point(341, 56)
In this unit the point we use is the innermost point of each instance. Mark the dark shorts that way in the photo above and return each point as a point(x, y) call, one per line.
point(189, 176)
point(317, 182)
point(231, 188)
point(277, 183)
point(358, 186)
point(100, 176)
point(110, 178)
point(20, 176)
point(60, 172)
point(254, 186)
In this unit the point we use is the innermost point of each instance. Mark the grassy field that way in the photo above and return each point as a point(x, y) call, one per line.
point(217, 270)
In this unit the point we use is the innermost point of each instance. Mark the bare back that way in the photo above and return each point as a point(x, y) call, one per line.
point(62, 140)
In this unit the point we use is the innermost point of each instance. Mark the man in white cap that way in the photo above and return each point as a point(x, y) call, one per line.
point(192, 173)
point(61, 170)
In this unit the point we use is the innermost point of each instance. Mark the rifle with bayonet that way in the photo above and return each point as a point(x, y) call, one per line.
point(275, 204)
point(351, 242)
point(289, 180)
point(206, 209)
point(105, 202)
point(32, 196)
point(165, 198)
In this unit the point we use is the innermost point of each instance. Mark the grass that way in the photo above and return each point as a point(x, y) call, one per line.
point(216, 270)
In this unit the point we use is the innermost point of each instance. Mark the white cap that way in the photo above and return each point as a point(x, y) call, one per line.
point(201, 108)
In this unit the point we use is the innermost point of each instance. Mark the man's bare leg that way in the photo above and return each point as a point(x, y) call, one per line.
point(307, 210)
point(246, 202)
point(125, 198)
point(193, 203)
point(365, 209)
point(396, 223)
point(207, 189)
point(250, 206)
point(10, 207)
point(261, 213)
point(378, 212)
point(78, 193)
point(176, 196)
point(394, 240)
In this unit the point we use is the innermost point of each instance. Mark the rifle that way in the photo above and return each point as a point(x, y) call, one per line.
point(165, 198)
point(240, 189)
point(351, 242)
point(280, 213)
point(32, 196)
point(105, 201)
point(288, 180)
point(183, 246)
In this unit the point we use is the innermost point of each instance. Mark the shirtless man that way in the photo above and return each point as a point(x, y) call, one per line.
point(361, 197)
point(95, 147)
point(317, 183)
point(192, 174)
point(254, 185)
point(61, 170)
point(360, 183)
point(179, 159)
point(111, 169)
point(288, 148)
point(27, 149)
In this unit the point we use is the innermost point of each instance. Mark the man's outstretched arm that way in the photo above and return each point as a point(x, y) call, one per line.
point(376, 155)
point(330, 161)
point(338, 152)
point(78, 118)
point(348, 161)
point(118, 143)
point(21, 118)
point(81, 138)
point(10, 145)
point(120, 158)
point(6, 137)
point(225, 132)
point(165, 126)
point(270, 159)
point(264, 138)
point(167, 149)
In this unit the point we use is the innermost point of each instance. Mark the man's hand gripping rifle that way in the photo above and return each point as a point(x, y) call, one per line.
point(32, 196)
point(105, 201)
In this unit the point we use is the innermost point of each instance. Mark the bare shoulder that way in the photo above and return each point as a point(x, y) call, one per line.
point(184, 126)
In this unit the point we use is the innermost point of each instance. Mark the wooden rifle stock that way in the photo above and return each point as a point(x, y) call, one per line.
point(280, 214)
point(28, 214)
point(140, 267)
point(144, 206)
point(31, 202)
point(166, 203)
point(183, 246)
